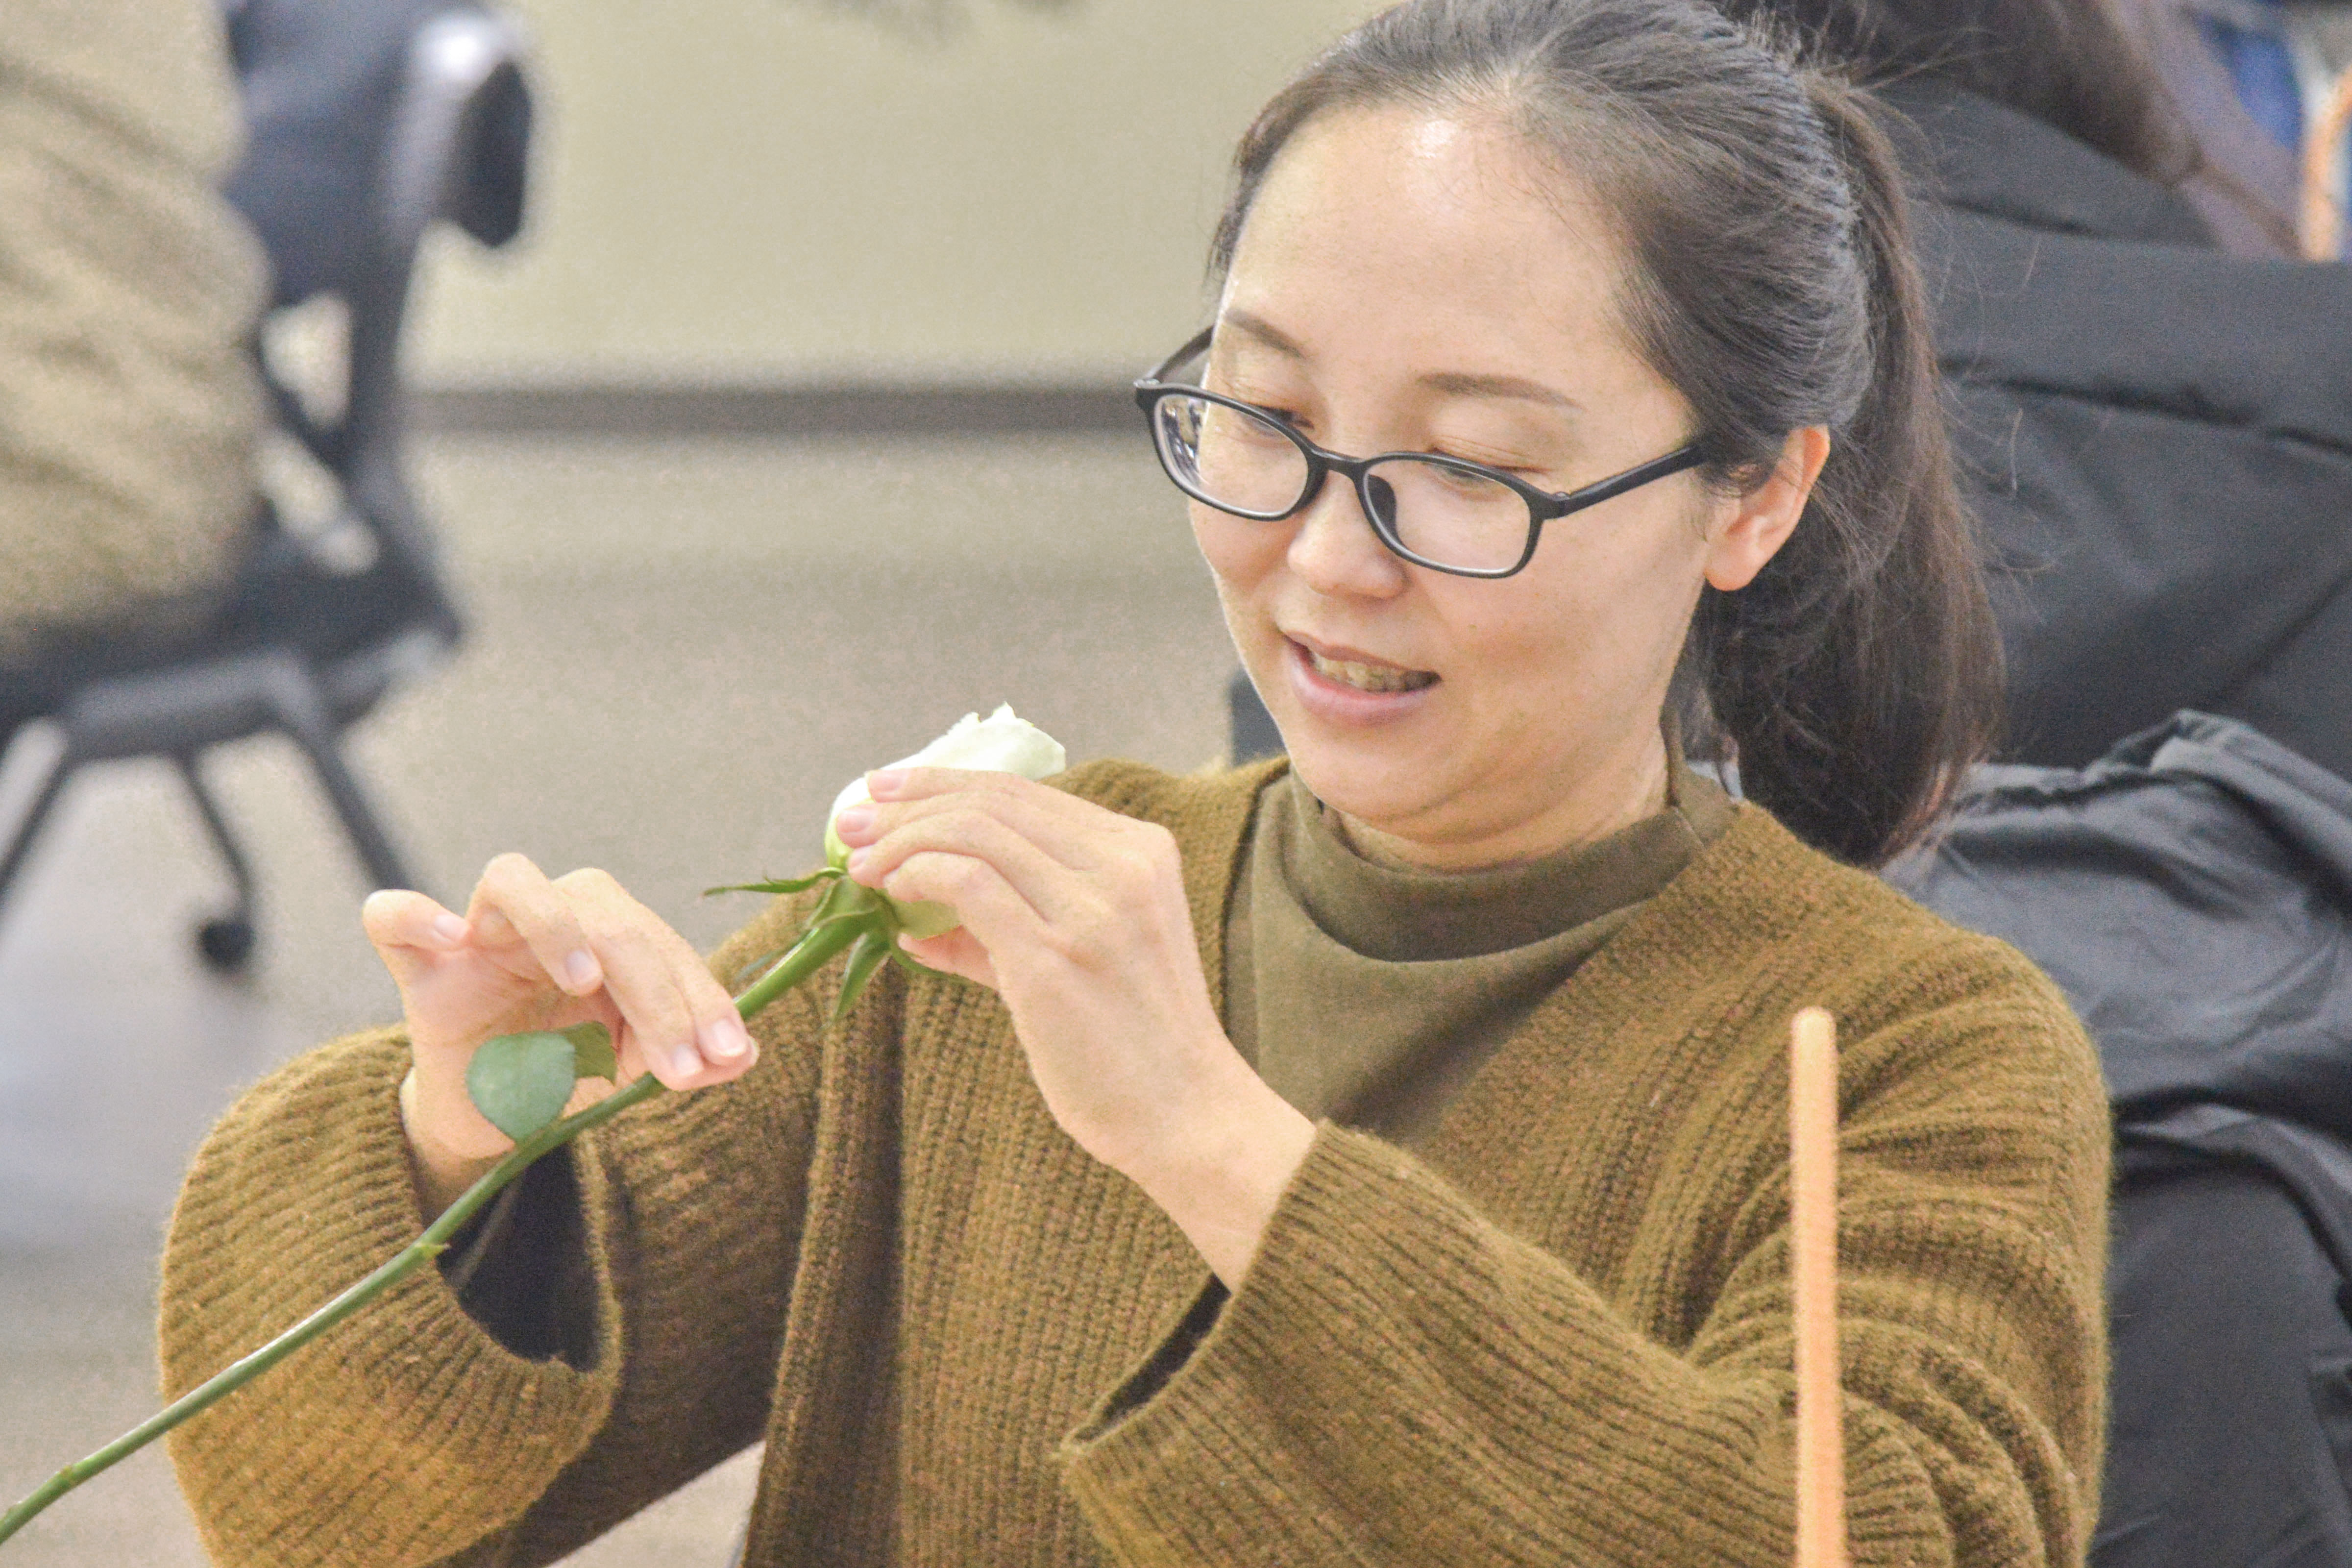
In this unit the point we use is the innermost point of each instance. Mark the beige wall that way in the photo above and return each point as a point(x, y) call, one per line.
point(768, 191)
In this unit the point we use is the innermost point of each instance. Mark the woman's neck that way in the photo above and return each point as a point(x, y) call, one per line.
point(1610, 800)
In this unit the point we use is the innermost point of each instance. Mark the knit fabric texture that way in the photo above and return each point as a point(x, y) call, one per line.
point(1559, 1333)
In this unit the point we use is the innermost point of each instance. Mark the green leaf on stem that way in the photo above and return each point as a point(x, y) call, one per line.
point(591, 1051)
point(797, 885)
point(868, 956)
point(521, 1082)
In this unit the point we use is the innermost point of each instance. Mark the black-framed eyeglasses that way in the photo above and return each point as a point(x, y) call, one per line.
point(1443, 513)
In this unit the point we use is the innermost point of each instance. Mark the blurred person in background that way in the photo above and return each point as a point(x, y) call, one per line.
point(2249, 76)
point(2159, 436)
point(2245, 77)
point(129, 288)
point(2158, 433)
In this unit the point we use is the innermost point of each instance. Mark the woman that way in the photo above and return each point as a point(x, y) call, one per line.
point(1375, 1160)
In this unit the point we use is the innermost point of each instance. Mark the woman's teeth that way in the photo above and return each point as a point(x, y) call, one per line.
point(1370, 677)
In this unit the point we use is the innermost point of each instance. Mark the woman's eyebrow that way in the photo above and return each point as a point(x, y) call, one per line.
point(1458, 384)
point(1455, 384)
point(1263, 330)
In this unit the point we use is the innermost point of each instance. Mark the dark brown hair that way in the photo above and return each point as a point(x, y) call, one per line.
point(1771, 283)
point(2072, 64)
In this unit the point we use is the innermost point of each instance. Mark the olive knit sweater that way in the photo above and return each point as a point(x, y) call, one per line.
point(1557, 1334)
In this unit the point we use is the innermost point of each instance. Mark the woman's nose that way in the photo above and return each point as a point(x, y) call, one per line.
point(1335, 551)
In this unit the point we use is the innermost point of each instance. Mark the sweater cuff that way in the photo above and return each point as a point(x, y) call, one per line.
point(406, 1433)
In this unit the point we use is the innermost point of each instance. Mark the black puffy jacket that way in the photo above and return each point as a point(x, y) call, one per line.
point(2192, 894)
point(2158, 437)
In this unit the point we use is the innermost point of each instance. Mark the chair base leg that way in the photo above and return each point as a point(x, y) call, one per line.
point(302, 713)
point(225, 941)
point(27, 827)
point(293, 698)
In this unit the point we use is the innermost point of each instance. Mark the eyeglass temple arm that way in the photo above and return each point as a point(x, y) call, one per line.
point(1158, 373)
point(1689, 456)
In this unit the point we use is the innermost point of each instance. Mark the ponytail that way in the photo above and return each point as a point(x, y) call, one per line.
point(1771, 283)
point(1859, 675)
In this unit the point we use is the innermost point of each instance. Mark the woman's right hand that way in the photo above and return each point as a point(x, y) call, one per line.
point(535, 953)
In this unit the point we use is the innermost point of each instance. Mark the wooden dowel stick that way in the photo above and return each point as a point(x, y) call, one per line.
point(1813, 1222)
point(2322, 192)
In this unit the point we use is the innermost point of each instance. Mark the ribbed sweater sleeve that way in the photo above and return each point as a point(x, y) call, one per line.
point(1403, 1379)
point(409, 1435)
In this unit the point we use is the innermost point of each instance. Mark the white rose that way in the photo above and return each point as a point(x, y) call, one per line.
point(1004, 743)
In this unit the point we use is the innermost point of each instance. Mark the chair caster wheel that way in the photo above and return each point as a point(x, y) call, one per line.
point(224, 944)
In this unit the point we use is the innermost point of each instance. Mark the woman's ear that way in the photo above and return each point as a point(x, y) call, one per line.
point(1751, 528)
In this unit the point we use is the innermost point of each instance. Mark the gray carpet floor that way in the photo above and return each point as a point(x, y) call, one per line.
point(679, 651)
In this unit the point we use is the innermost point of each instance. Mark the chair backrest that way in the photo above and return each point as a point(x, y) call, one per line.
point(371, 121)
point(335, 90)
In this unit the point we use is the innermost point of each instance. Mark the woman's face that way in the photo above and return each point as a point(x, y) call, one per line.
point(1415, 282)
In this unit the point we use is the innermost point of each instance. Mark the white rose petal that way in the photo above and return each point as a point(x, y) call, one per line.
point(1004, 743)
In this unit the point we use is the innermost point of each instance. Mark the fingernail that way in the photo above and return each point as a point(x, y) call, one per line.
point(886, 782)
point(685, 1063)
point(580, 969)
point(449, 927)
point(858, 858)
point(725, 1038)
point(856, 819)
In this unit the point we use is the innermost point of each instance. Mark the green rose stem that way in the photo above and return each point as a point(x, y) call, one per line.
point(821, 943)
point(431, 1244)
point(522, 1082)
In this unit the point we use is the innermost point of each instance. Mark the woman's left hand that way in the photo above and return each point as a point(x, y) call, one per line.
point(1076, 917)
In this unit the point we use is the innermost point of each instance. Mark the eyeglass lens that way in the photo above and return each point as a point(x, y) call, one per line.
point(1244, 463)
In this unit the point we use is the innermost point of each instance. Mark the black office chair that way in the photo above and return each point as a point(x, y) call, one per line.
point(307, 647)
point(1250, 729)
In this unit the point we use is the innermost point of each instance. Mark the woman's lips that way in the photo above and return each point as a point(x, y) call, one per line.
point(1354, 667)
point(1350, 690)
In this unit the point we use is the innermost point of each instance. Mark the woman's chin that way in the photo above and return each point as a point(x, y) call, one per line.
point(1358, 776)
